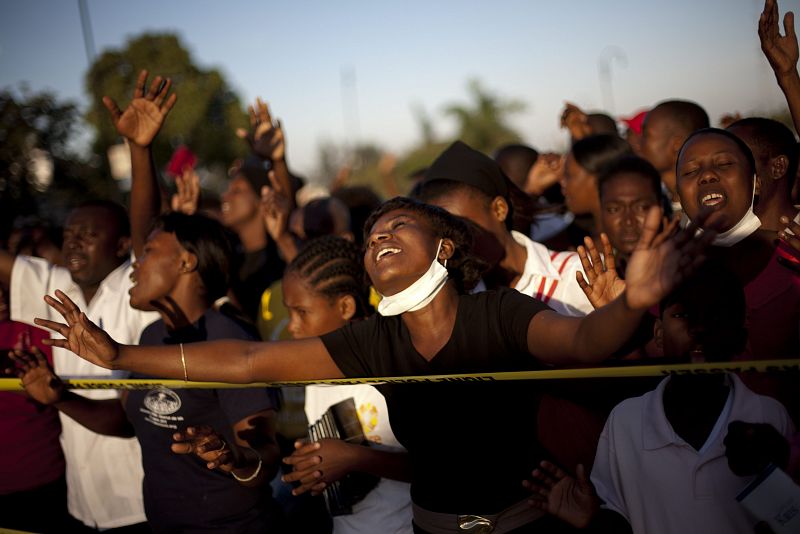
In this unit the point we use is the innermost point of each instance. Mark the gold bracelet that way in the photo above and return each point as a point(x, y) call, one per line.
point(183, 361)
point(251, 477)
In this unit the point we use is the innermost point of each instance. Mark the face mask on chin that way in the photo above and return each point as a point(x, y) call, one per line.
point(420, 293)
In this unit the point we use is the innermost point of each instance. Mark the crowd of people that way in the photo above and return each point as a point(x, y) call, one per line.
point(656, 239)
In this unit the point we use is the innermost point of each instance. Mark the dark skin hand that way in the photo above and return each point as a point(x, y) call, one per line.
point(319, 463)
point(41, 383)
point(266, 140)
point(792, 236)
point(750, 447)
point(139, 123)
point(142, 119)
point(255, 440)
point(602, 283)
point(572, 499)
point(782, 53)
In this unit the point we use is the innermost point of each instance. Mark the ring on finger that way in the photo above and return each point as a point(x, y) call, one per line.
point(222, 447)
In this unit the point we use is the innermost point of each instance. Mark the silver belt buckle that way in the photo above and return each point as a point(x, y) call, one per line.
point(475, 524)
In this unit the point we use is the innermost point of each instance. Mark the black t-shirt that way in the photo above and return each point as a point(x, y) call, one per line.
point(257, 271)
point(471, 444)
point(180, 493)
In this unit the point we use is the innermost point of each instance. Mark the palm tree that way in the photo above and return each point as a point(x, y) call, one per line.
point(483, 123)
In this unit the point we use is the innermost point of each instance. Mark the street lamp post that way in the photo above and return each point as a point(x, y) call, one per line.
point(607, 56)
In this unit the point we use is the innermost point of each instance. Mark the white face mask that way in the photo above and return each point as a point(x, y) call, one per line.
point(420, 293)
point(746, 226)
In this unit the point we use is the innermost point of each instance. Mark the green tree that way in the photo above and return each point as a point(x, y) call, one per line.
point(205, 117)
point(483, 123)
point(37, 126)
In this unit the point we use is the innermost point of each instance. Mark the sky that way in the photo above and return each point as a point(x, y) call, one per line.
point(417, 54)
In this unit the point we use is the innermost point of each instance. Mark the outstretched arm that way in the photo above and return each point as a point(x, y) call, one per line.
point(661, 261)
point(139, 123)
point(234, 361)
point(782, 53)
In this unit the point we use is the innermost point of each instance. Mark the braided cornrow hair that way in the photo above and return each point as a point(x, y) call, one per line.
point(334, 266)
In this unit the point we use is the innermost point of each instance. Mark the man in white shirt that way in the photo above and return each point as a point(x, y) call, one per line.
point(104, 474)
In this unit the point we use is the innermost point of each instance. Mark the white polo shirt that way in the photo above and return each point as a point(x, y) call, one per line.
point(549, 276)
point(644, 471)
point(104, 474)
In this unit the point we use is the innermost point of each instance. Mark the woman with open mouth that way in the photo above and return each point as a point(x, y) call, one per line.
point(470, 443)
point(716, 173)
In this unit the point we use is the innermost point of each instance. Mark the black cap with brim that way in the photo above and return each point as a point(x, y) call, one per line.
point(460, 163)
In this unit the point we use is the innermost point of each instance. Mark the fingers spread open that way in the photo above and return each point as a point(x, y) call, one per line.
point(652, 223)
point(52, 325)
point(141, 81)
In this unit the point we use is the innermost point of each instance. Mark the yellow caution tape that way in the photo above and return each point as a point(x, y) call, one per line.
point(761, 366)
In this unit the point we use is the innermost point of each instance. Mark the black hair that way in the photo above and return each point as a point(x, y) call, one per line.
point(209, 241)
point(602, 123)
point(516, 161)
point(683, 117)
point(771, 139)
point(642, 167)
point(743, 148)
point(118, 213)
point(334, 266)
point(596, 152)
point(714, 294)
point(361, 201)
point(463, 267)
point(320, 216)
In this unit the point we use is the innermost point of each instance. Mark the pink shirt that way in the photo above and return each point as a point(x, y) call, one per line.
point(29, 431)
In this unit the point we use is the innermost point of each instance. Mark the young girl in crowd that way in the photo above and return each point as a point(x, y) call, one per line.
point(587, 159)
point(324, 288)
point(418, 258)
point(183, 270)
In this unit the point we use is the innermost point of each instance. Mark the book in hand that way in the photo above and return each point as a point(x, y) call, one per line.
point(774, 498)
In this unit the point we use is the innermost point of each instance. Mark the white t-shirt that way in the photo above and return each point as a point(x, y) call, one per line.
point(644, 471)
point(387, 508)
point(549, 276)
point(104, 474)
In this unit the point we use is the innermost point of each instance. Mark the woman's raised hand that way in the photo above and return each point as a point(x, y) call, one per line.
point(142, 119)
point(187, 196)
point(781, 50)
point(604, 283)
point(663, 259)
point(81, 336)
point(266, 139)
